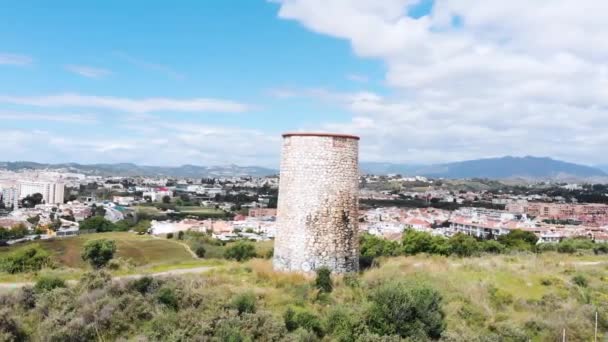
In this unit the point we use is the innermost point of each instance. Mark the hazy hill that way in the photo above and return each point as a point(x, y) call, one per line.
point(128, 169)
point(493, 168)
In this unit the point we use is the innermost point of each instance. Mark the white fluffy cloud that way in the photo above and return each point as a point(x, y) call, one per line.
point(473, 78)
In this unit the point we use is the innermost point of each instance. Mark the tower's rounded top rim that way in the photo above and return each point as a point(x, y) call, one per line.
point(314, 134)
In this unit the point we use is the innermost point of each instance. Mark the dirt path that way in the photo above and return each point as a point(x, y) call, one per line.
point(176, 272)
point(185, 245)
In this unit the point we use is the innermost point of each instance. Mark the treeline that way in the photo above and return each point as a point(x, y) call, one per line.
point(420, 203)
point(462, 245)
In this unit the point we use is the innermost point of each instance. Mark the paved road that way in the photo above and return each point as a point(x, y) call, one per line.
point(176, 272)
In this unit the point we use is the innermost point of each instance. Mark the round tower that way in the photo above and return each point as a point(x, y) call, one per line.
point(318, 204)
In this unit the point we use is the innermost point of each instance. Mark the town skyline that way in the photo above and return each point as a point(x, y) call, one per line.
point(213, 84)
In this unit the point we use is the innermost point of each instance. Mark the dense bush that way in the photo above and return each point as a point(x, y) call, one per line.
point(406, 309)
point(244, 303)
point(99, 252)
point(98, 224)
point(48, 283)
point(240, 251)
point(26, 259)
point(463, 245)
point(323, 281)
point(303, 319)
point(166, 296)
point(519, 239)
point(200, 251)
point(574, 245)
point(580, 280)
point(415, 242)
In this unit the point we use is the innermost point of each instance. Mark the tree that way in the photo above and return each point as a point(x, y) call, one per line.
point(166, 199)
point(412, 311)
point(99, 252)
point(97, 223)
point(200, 251)
point(463, 245)
point(31, 201)
point(519, 239)
point(240, 251)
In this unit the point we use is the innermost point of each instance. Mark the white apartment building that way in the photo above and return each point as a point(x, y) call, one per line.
point(52, 192)
point(10, 196)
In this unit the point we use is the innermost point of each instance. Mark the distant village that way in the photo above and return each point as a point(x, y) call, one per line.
point(48, 204)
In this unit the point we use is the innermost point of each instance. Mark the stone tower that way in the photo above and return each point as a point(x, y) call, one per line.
point(318, 203)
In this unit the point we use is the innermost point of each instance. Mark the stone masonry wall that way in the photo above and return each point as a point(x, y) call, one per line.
point(318, 204)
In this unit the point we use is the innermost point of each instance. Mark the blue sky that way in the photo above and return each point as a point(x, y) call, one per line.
point(216, 82)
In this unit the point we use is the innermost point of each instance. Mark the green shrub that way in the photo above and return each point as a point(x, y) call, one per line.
point(373, 247)
point(240, 251)
point(166, 296)
point(492, 246)
point(99, 252)
point(323, 281)
point(244, 303)
point(345, 325)
point(94, 280)
point(580, 280)
point(48, 283)
point(200, 251)
point(406, 309)
point(303, 319)
point(27, 259)
point(571, 246)
point(518, 239)
point(144, 285)
point(289, 318)
point(98, 224)
point(463, 245)
point(180, 235)
point(601, 248)
point(169, 235)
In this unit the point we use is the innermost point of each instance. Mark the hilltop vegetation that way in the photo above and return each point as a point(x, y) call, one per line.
point(422, 288)
point(519, 297)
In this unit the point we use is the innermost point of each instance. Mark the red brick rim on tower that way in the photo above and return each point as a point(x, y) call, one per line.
point(330, 135)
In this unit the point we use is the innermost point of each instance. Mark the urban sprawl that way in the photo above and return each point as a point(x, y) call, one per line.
point(57, 203)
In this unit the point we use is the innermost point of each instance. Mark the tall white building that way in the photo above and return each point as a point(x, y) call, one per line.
point(52, 192)
point(10, 196)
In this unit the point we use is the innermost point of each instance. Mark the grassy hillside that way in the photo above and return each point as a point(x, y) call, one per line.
point(518, 297)
point(138, 249)
point(523, 297)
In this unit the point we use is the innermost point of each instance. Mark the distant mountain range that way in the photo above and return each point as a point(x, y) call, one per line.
point(492, 168)
point(128, 169)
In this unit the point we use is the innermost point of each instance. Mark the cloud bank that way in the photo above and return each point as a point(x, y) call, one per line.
point(473, 78)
